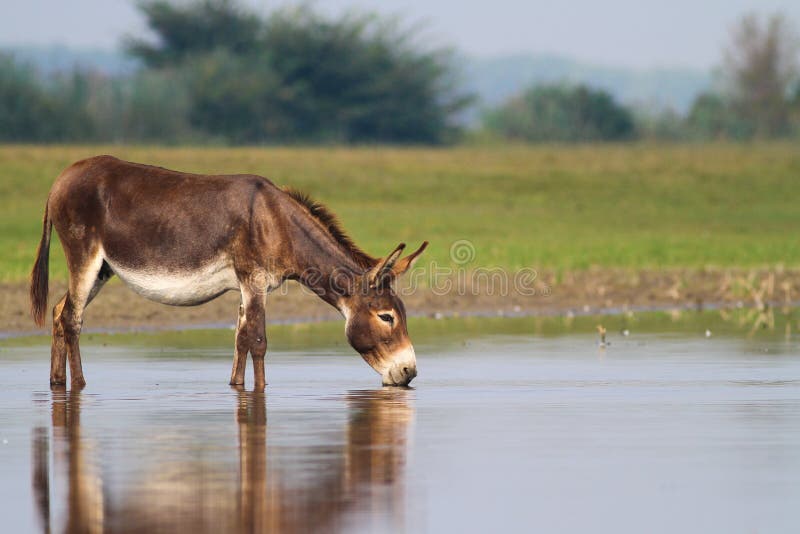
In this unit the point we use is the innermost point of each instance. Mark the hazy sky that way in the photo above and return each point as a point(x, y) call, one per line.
point(636, 33)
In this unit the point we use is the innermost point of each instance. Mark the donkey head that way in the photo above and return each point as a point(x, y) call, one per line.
point(376, 319)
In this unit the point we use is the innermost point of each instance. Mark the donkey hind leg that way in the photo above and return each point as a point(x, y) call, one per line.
point(58, 349)
point(250, 337)
point(84, 284)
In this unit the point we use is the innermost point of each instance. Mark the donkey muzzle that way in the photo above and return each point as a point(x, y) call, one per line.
point(403, 369)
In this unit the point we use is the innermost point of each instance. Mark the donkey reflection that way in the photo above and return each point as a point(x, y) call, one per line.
point(364, 474)
point(73, 460)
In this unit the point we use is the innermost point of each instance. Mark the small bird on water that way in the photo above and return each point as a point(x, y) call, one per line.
point(602, 331)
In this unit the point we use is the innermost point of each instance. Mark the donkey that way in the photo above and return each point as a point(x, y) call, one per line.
point(184, 239)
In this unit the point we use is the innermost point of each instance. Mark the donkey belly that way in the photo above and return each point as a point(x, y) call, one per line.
point(179, 288)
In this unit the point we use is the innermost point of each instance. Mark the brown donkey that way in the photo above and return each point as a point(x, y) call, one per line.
point(184, 239)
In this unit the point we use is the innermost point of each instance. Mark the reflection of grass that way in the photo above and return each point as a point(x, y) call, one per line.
point(428, 333)
point(549, 207)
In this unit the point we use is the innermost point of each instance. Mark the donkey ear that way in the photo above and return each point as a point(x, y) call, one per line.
point(405, 264)
point(384, 266)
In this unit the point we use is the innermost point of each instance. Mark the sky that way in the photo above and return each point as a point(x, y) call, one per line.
point(625, 33)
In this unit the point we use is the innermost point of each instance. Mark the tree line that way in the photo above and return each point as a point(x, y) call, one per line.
point(219, 73)
point(757, 97)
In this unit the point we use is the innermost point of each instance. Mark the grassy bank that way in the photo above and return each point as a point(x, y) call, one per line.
point(730, 323)
point(562, 208)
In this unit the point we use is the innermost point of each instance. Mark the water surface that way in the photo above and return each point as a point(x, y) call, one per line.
point(519, 432)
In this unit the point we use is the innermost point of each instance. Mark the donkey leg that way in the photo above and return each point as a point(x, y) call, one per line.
point(241, 348)
point(84, 284)
point(250, 337)
point(258, 341)
point(58, 348)
point(69, 325)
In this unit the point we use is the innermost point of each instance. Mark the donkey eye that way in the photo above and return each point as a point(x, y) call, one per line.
point(386, 317)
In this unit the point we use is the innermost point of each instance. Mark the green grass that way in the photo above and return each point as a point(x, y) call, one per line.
point(551, 207)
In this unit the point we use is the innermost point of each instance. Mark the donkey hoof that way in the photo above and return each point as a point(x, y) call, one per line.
point(58, 381)
point(78, 383)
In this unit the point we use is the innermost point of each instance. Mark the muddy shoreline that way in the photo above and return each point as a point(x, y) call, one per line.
point(595, 291)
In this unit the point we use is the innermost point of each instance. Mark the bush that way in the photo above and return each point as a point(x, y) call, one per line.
point(298, 76)
point(713, 117)
point(560, 113)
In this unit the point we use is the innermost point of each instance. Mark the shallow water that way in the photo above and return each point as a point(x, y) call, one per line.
point(519, 433)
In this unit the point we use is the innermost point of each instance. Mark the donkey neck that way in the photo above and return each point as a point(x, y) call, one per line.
point(320, 262)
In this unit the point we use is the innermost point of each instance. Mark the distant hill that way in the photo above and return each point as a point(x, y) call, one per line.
point(496, 79)
point(492, 80)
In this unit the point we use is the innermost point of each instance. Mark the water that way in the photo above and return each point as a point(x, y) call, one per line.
point(501, 433)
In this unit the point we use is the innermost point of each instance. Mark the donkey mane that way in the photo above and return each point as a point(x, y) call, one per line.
point(331, 223)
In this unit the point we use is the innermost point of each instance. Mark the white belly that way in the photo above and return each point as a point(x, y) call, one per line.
point(179, 288)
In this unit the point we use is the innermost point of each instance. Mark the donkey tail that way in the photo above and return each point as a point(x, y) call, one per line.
point(40, 272)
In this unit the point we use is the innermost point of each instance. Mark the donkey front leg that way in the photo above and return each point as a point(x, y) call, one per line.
point(258, 349)
point(240, 354)
point(250, 337)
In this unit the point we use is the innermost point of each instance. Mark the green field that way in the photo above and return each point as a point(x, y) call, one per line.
point(550, 207)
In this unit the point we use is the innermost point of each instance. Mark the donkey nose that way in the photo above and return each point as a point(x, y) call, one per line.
point(400, 375)
point(410, 372)
point(403, 368)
